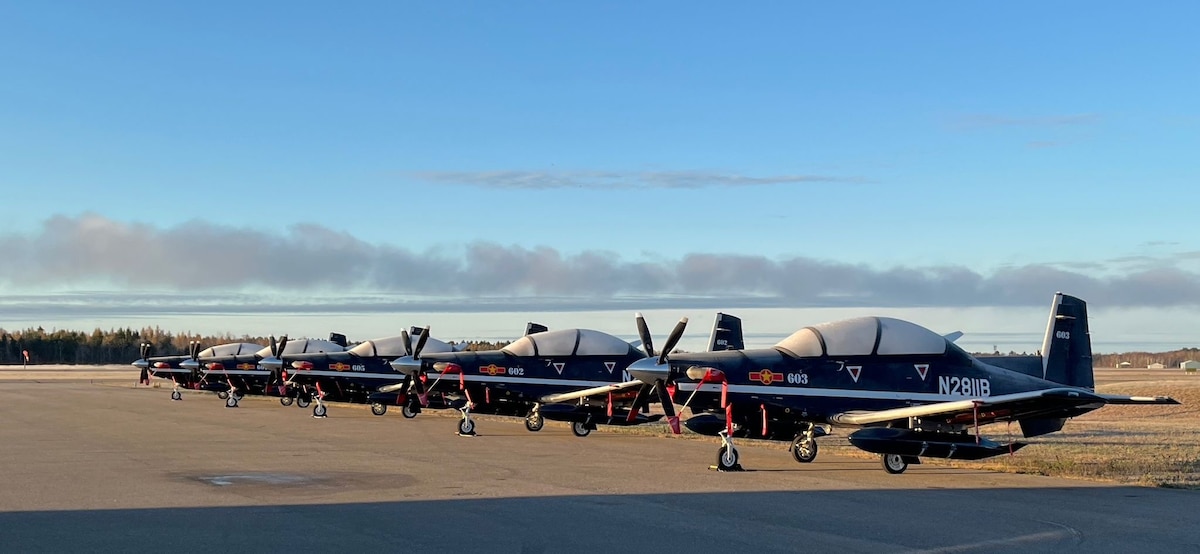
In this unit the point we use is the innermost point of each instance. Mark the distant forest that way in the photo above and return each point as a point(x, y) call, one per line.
point(120, 346)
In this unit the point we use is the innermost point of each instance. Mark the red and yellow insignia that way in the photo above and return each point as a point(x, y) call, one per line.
point(492, 369)
point(245, 366)
point(339, 366)
point(765, 376)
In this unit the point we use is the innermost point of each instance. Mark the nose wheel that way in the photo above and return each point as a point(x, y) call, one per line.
point(175, 394)
point(231, 402)
point(466, 425)
point(727, 455)
point(411, 408)
point(319, 409)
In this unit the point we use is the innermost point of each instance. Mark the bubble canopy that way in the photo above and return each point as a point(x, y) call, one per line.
point(393, 347)
point(232, 349)
point(569, 342)
point(863, 336)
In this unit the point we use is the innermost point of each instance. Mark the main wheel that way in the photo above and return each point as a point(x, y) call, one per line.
point(223, 395)
point(534, 422)
point(466, 426)
point(175, 395)
point(231, 402)
point(727, 458)
point(804, 451)
point(237, 395)
point(319, 410)
point(286, 400)
point(378, 408)
point(408, 411)
point(894, 464)
point(580, 429)
point(303, 401)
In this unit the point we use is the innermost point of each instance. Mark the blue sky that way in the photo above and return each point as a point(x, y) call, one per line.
point(869, 141)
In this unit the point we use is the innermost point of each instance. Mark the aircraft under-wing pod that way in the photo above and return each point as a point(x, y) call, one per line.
point(574, 375)
point(355, 375)
point(234, 373)
point(908, 391)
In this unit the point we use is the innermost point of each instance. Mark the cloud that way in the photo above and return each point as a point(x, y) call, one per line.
point(199, 265)
point(974, 122)
point(538, 180)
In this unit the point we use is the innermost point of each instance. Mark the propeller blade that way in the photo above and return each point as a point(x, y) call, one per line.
point(644, 334)
point(639, 401)
point(421, 343)
point(274, 347)
point(145, 377)
point(282, 344)
point(407, 342)
point(664, 396)
point(672, 340)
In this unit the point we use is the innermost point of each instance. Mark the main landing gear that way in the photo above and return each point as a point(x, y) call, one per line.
point(378, 408)
point(302, 401)
point(804, 446)
point(466, 425)
point(895, 464)
point(534, 421)
point(286, 400)
point(582, 428)
point(223, 394)
point(727, 455)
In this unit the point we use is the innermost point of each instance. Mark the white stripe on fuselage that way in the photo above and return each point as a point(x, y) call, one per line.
point(523, 380)
point(262, 372)
point(354, 374)
point(767, 390)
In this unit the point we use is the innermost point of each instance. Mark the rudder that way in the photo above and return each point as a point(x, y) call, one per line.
point(1067, 346)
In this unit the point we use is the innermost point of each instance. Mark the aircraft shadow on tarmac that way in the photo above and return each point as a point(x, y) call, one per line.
point(1085, 518)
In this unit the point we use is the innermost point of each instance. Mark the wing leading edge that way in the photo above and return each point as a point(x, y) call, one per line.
point(1006, 407)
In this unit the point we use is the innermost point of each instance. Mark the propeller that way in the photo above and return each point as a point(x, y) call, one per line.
point(410, 365)
point(144, 350)
point(655, 373)
point(275, 361)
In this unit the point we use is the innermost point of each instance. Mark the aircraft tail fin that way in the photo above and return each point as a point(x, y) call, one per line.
point(338, 339)
point(726, 334)
point(1067, 347)
point(531, 328)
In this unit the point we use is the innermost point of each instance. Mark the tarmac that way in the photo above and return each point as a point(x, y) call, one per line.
point(105, 467)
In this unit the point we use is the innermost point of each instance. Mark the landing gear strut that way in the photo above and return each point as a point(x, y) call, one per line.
point(727, 455)
point(534, 421)
point(804, 446)
point(466, 425)
point(319, 410)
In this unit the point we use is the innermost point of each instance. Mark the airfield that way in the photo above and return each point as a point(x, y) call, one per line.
point(90, 463)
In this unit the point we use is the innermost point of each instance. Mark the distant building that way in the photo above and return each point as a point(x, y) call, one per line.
point(1155, 365)
point(1190, 366)
point(1124, 364)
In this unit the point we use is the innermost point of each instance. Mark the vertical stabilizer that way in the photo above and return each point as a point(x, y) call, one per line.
point(531, 328)
point(1067, 347)
point(726, 334)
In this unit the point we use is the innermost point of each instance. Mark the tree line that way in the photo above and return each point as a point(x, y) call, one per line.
point(121, 346)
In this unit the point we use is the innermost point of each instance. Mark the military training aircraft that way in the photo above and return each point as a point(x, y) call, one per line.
point(566, 375)
point(909, 391)
point(183, 370)
point(235, 373)
point(354, 375)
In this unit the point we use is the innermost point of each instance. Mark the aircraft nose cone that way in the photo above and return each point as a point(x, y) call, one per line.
point(647, 371)
point(189, 364)
point(141, 364)
point(271, 363)
point(406, 365)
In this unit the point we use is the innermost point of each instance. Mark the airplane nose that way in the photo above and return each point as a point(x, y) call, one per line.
point(406, 365)
point(647, 371)
point(271, 363)
point(141, 364)
point(189, 364)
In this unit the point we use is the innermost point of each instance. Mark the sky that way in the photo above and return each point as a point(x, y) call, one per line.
point(234, 166)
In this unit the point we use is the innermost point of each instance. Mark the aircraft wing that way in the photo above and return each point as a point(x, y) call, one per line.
point(1006, 407)
point(584, 393)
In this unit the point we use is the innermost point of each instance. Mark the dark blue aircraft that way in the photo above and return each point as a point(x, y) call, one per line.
point(184, 371)
point(575, 375)
point(355, 375)
point(233, 373)
point(908, 391)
